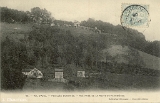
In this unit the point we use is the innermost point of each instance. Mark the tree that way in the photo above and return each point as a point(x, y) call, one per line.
point(153, 48)
point(10, 15)
point(14, 58)
point(40, 16)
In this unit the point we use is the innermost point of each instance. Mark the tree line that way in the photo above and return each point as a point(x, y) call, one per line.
point(11, 15)
point(36, 15)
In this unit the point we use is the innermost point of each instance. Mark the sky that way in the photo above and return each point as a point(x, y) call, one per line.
point(105, 10)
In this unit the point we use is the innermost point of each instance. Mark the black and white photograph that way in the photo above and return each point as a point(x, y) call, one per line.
point(92, 50)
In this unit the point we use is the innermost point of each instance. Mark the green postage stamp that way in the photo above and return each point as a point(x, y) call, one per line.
point(135, 15)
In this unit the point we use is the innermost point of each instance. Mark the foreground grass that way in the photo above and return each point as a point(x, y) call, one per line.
point(109, 81)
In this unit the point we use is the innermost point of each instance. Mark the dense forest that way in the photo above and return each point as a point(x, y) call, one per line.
point(47, 45)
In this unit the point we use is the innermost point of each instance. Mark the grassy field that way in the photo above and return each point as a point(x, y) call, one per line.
point(77, 31)
point(149, 61)
point(15, 28)
point(15, 31)
point(40, 85)
point(109, 81)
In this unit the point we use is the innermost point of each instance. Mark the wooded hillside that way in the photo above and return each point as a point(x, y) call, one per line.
point(44, 46)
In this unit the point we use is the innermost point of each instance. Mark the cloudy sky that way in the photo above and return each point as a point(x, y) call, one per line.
point(105, 10)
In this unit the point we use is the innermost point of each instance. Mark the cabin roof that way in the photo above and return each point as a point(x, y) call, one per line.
point(28, 70)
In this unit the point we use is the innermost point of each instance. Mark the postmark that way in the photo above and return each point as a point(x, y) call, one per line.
point(134, 15)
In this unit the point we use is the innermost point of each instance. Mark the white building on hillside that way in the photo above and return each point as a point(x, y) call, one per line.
point(76, 24)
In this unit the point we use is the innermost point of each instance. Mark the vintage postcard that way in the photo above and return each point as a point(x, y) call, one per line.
point(72, 51)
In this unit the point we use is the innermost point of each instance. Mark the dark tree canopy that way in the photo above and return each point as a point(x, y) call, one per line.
point(36, 15)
